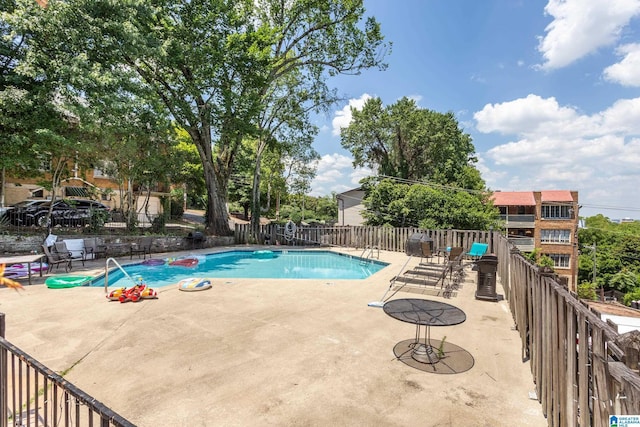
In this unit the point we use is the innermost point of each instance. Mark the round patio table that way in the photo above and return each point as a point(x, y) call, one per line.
point(427, 313)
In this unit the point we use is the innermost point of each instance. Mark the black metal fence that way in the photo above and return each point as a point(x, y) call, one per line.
point(33, 395)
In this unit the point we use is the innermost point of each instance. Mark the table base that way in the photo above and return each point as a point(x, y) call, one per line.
point(424, 353)
point(454, 359)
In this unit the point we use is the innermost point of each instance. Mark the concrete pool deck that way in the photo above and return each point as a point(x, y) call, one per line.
point(273, 352)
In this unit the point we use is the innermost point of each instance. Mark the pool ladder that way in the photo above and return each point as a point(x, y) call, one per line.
point(106, 273)
point(367, 253)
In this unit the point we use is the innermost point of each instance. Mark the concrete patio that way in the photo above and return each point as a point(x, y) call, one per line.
point(273, 352)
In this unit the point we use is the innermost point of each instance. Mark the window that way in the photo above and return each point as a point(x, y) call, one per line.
point(556, 211)
point(76, 192)
point(560, 260)
point(555, 236)
point(100, 171)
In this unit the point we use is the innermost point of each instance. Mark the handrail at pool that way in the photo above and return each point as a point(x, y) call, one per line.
point(106, 273)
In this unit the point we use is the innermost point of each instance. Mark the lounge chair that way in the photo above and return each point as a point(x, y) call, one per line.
point(477, 250)
point(54, 260)
point(144, 248)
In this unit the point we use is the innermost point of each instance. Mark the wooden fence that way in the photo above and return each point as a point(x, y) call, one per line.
point(582, 371)
point(383, 238)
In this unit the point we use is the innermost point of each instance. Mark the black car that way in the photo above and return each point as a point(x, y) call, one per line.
point(68, 212)
point(17, 214)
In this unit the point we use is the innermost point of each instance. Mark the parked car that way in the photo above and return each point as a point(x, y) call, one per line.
point(16, 214)
point(68, 212)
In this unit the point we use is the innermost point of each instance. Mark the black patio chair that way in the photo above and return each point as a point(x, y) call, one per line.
point(143, 247)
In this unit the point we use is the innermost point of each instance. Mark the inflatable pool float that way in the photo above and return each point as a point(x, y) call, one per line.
point(59, 282)
point(17, 270)
point(153, 261)
point(194, 284)
point(263, 254)
point(134, 294)
point(184, 262)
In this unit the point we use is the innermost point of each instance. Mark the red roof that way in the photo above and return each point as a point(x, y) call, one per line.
point(513, 198)
point(556, 196)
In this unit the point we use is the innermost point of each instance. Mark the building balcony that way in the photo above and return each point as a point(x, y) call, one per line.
point(519, 221)
point(524, 244)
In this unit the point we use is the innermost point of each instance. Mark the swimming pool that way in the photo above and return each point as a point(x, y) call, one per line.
point(284, 264)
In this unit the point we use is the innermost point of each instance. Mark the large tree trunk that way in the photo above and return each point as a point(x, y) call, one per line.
point(217, 219)
point(255, 194)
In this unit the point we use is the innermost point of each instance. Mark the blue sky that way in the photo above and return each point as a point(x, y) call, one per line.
point(548, 90)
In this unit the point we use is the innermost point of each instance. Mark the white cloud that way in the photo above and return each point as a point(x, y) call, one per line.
point(580, 27)
point(555, 147)
point(343, 117)
point(521, 116)
point(627, 71)
point(336, 173)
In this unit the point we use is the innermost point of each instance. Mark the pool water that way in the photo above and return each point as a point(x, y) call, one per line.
point(285, 264)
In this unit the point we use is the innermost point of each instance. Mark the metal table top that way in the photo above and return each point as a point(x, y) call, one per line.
point(424, 312)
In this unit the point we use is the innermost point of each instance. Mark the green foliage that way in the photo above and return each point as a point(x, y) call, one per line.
point(617, 253)
point(176, 203)
point(545, 261)
point(405, 141)
point(587, 290)
point(624, 281)
point(429, 207)
point(633, 295)
point(215, 67)
point(158, 224)
point(97, 220)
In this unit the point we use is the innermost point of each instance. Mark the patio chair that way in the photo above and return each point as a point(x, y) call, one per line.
point(62, 250)
point(456, 254)
point(144, 248)
point(92, 250)
point(477, 250)
point(426, 251)
point(54, 260)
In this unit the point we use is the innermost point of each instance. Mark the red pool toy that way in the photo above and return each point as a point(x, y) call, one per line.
point(185, 262)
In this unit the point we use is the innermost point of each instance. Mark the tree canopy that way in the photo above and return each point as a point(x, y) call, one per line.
point(405, 141)
point(399, 204)
point(210, 64)
point(615, 249)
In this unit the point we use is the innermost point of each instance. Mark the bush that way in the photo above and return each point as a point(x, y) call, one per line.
point(631, 296)
point(587, 290)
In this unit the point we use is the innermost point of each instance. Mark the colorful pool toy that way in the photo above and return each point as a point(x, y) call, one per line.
point(19, 270)
point(59, 282)
point(153, 261)
point(184, 262)
point(134, 294)
point(194, 284)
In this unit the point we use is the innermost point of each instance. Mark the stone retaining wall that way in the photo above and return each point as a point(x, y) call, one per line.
point(23, 244)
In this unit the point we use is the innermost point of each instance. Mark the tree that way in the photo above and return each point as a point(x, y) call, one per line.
point(412, 143)
point(211, 63)
point(27, 107)
point(426, 206)
point(617, 263)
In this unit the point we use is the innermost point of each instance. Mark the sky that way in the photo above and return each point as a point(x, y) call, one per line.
point(549, 92)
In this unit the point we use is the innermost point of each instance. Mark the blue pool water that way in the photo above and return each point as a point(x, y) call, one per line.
point(285, 264)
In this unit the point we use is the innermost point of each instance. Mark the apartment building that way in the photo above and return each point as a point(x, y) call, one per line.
point(92, 183)
point(543, 220)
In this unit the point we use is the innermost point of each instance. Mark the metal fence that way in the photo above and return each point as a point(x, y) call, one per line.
point(33, 395)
